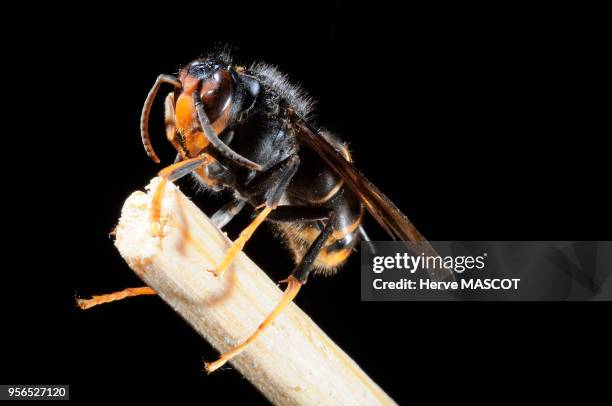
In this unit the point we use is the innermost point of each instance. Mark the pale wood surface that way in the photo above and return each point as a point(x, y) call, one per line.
point(293, 362)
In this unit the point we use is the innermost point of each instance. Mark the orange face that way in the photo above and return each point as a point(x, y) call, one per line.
point(216, 93)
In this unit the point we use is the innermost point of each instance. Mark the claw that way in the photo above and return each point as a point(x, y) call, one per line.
point(157, 229)
point(217, 273)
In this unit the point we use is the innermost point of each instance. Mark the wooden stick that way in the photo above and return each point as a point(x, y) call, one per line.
point(293, 362)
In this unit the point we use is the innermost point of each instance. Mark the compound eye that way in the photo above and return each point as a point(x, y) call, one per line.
point(216, 94)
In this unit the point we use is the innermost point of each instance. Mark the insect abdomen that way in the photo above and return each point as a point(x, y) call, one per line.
point(339, 245)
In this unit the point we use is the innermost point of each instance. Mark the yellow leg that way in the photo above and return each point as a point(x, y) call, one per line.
point(238, 245)
point(293, 287)
point(111, 297)
point(171, 172)
point(156, 208)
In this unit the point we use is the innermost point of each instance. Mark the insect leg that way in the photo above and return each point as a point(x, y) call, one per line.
point(171, 173)
point(239, 243)
point(297, 214)
point(294, 282)
point(111, 297)
point(367, 240)
point(303, 269)
point(293, 287)
point(146, 112)
point(271, 184)
point(226, 213)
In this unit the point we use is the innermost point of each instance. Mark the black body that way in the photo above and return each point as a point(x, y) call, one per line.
point(255, 138)
point(316, 215)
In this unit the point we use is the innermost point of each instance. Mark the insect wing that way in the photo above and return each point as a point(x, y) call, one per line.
point(386, 213)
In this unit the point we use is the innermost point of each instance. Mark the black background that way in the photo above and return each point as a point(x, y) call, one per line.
point(480, 124)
